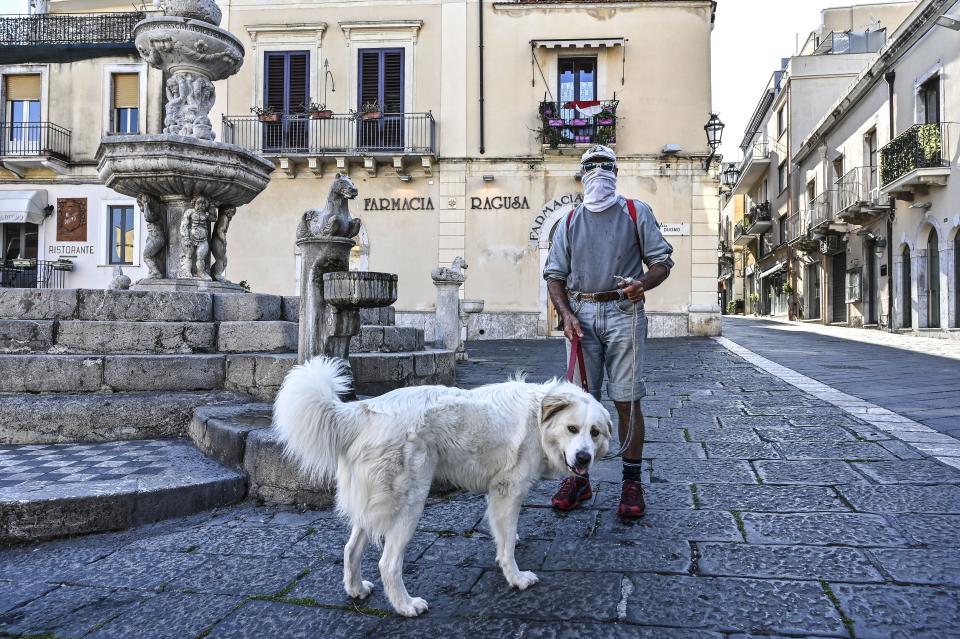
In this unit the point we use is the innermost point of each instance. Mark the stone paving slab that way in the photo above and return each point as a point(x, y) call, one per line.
point(724, 552)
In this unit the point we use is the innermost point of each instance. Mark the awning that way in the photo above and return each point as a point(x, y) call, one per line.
point(578, 43)
point(773, 270)
point(22, 206)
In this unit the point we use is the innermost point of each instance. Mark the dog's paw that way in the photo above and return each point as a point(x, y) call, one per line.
point(362, 592)
point(413, 607)
point(524, 580)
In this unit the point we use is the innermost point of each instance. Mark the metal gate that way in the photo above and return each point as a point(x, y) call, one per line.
point(838, 288)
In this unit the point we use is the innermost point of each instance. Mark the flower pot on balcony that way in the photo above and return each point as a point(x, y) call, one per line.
point(269, 117)
point(604, 121)
point(555, 122)
point(24, 262)
point(63, 265)
point(371, 115)
point(326, 114)
point(579, 122)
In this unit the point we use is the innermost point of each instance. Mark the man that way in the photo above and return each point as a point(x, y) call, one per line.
point(608, 236)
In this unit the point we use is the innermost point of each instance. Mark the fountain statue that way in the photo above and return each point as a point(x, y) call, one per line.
point(331, 295)
point(187, 185)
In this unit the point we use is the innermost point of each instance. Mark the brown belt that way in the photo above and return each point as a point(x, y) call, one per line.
point(602, 296)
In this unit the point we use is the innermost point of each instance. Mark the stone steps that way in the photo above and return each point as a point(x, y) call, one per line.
point(49, 491)
point(257, 337)
point(240, 437)
point(101, 417)
point(387, 339)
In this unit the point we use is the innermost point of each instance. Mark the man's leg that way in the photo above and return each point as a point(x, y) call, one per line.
point(625, 336)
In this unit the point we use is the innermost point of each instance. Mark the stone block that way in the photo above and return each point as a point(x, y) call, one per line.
point(704, 323)
point(275, 478)
point(290, 310)
point(903, 499)
point(221, 432)
point(821, 529)
point(900, 611)
point(249, 307)
point(164, 372)
point(97, 417)
point(257, 337)
point(25, 336)
point(50, 373)
point(377, 373)
point(141, 306)
point(384, 316)
point(240, 371)
point(38, 304)
point(260, 374)
point(786, 562)
point(135, 337)
point(425, 364)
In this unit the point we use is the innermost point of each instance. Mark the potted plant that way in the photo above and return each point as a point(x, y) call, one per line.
point(579, 122)
point(754, 300)
point(556, 122)
point(63, 264)
point(787, 288)
point(25, 262)
point(265, 114)
point(319, 111)
point(370, 111)
point(606, 117)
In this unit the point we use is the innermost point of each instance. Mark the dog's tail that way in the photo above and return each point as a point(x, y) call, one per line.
point(308, 416)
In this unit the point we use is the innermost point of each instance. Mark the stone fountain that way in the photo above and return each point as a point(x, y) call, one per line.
point(187, 185)
point(331, 295)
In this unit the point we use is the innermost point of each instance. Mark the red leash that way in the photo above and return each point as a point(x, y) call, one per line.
point(576, 357)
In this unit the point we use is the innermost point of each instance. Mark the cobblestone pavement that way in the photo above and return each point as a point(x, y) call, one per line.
point(917, 377)
point(772, 513)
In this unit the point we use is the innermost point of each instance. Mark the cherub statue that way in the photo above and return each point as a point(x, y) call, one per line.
point(218, 244)
point(195, 239)
point(156, 241)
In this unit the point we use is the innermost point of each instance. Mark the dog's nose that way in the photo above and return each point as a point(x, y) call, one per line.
point(582, 458)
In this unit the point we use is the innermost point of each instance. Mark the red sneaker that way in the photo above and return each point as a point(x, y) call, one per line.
point(631, 500)
point(573, 491)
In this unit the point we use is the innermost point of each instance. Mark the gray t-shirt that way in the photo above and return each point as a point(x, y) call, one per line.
point(595, 246)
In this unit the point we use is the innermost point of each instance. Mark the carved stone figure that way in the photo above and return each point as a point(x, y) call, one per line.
point(334, 220)
point(156, 242)
point(120, 282)
point(452, 273)
point(195, 240)
point(175, 103)
point(202, 95)
point(218, 244)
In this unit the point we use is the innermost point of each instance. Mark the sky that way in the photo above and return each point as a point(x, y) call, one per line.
point(749, 39)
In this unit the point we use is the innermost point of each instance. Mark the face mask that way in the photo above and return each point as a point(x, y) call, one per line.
point(599, 189)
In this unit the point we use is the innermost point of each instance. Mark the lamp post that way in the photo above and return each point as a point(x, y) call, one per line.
point(714, 129)
point(730, 175)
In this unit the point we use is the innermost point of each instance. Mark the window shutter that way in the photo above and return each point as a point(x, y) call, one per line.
point(126, 90)
point(392, 82)
point(22, 87)
point(369, 77)
point(297, 91)
point(274, 84)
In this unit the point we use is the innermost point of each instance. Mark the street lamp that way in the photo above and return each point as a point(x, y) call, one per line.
point(730, 175)
point(714, 129)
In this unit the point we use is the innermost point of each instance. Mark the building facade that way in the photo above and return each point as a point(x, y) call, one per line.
point(765, 226)
point(886, 154)
point(65, 82)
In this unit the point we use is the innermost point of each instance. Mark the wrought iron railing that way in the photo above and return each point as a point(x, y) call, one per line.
point(302, 134)
point(919, 147)
point(740, 229)
point(821, 209)
point(68, 28)
point(759, 149)
point(795, 227)
point(31, 274)
point(855, 186)
point(578, 122)
point(19, 139)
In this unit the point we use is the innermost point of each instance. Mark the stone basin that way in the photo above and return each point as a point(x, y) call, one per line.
point(175, 44)
point(359, 289)
point(168, 165)
point(471, 306)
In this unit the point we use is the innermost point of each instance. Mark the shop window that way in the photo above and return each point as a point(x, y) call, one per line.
point(125, 113)
point(120, 234)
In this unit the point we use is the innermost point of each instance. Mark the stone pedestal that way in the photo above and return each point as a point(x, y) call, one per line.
point(320, 255)
point(448, 313)
point(467, 308)
point(190, 285)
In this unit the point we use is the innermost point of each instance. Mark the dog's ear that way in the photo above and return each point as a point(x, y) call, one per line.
point(551, 405)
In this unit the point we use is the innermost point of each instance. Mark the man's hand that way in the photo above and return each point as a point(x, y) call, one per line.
point(571, 326)
point(635, 292)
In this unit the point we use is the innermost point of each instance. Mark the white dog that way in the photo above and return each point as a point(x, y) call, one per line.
point(386, 451)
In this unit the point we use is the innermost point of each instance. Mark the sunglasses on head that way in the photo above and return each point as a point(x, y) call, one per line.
point(606, 166)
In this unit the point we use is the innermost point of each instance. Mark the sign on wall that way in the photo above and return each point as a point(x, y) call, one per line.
point(674, 229)
point(565, 201)
point(72, 219)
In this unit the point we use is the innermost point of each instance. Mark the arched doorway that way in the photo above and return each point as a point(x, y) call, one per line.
point(933, 280)
point(906, 320)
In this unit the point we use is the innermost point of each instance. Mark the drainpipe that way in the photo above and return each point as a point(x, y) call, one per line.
point(890, 77)
point(482, 145)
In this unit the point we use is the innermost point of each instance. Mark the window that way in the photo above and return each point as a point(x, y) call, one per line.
point(782, 229)
point(765, 190)
point(120, 231)
point(19, 241)
point(853, 285)
point(286, 91)
point(22, 112)
point(781, 121)
point(577, 79)
point(381, 82)
point(929, 97)
point(811, 193)
point(838, 171)
point(782, 176)
point(870, 141)
point(125, 117)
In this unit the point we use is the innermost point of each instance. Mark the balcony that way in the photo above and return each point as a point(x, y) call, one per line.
point(858, 198)
point(299, 139)
point(740, 235)
point(565, 124)
point(915, 160)
point(52, 37)
point(40, 144)
point(755, 164)
point(821, 210)
point(759, 219)
point(798, 234)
